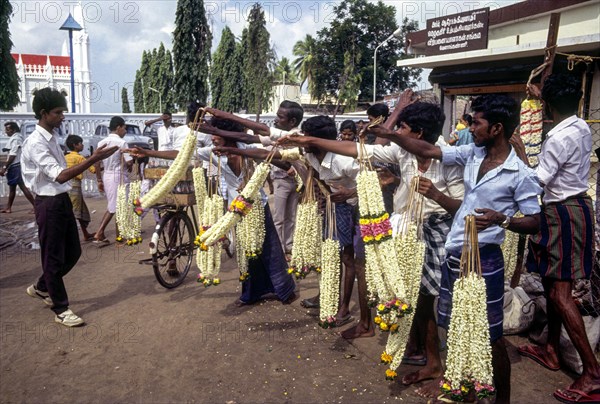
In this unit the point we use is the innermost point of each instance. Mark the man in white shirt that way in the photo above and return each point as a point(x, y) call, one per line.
point(166, 132)
point(116, 168)
point(45, 172)
point(12, 168)
point(563, 250)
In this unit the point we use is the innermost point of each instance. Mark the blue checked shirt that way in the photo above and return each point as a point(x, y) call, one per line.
point(508, 188)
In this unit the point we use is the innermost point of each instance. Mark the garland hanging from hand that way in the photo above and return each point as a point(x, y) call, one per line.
point(239, 207)
point(410, 251)
point(307, 248)
point(250, 232)
point(329, 285)
point(469, 363)
point(531, 129)
point(128, 223)
point(175, 173)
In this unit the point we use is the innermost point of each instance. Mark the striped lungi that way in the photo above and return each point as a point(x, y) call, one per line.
point(492, 268)
point(564, 246)
point(435, 230)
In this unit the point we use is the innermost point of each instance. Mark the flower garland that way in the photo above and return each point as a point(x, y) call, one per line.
point(306, 251)
point(329, 285)
point(208, 258)
point(200, 190)
point(175, 173)
point(128, 223)
point(250, 231)
point(531, 129)
point(240, 254)
point(239, 207)
point(299, 182)
point(469, 363)
point(382, 261)
point(510, 250)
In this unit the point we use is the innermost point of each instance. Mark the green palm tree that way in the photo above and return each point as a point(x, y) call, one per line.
point(305, 62)
point(284, 72)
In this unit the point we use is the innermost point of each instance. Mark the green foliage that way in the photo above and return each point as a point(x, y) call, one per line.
point(125, 101)
point(156, 71)
point(223, 75)
point(259, 54)
point(191, 52)
point(241, 97)
point(349, 82)
point(9, 90)
point(284, 72)
point(360, 26)
point(305, 64)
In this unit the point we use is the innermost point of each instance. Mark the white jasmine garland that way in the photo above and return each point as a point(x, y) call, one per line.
point(231, 218)
point(329, 285)
point(208, 258)
point(251, 231)
point(121, 211)
point(240, 254)
point(174, 174)
point(200, 191)
point(306, 251)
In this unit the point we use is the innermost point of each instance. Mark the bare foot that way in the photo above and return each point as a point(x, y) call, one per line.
point(358, 331)
point(430, 390)
point(6, 211)
point(585, 384)
point(546, 358)
point(420, 375)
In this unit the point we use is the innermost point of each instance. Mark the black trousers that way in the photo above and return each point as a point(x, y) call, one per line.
point(59, 244)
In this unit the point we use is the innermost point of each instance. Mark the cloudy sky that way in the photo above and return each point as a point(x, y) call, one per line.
point(120, 31)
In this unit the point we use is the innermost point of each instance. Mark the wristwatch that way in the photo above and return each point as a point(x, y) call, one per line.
point(506, 222)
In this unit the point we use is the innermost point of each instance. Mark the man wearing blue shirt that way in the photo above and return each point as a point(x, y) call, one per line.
point(497, 185)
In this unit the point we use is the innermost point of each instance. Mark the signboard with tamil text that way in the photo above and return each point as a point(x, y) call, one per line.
point(458, 32)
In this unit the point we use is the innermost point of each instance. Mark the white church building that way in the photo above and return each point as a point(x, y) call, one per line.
point(39, 71)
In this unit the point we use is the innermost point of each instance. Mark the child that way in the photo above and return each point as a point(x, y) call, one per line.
point(80, 209)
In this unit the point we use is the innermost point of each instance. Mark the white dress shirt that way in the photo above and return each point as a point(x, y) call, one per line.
point(564, 162)
point(42, 160)
point(14, 144)
point(166, 137)
point(113, 162)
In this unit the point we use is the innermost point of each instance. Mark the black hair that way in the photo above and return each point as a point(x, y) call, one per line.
point(378, 109)
point(167, 113)
point(348, 124)
point(320, 126)
point(226, 124)
point(426, 117)
point(468, 119)
point(13, 126)
point(294, 110)
point(115, 122)
point(562, 92)
point(192, 109)
point(72, 140)
point(498, 108)
point(47, 99)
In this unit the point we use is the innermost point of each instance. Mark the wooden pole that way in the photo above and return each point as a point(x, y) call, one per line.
point(550, 52)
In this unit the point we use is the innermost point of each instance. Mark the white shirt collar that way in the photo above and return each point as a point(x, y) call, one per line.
point(562, 124)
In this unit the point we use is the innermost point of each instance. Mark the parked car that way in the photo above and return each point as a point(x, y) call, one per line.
point(27, 129)
point(133, 137)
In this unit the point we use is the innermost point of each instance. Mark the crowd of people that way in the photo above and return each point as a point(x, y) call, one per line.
point(482, 170)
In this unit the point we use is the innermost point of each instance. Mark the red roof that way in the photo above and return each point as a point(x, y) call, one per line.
point(29, 59)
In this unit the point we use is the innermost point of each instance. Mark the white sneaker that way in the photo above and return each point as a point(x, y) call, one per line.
point(38, 294)
point(69, 319)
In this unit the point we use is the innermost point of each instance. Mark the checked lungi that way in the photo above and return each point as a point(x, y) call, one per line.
point(435, 230)
point(564, 247)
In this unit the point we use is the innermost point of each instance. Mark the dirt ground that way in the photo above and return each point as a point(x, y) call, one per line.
point(146, 344)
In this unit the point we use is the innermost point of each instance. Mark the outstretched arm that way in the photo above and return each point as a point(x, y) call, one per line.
point(161, 154)
point(258, 154)
point(334, 146)
point(99, 154)
point(256, 127)
point(236, 136)
point(417, 147)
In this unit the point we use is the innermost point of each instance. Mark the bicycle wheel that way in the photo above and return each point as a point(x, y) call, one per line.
point(172, 249)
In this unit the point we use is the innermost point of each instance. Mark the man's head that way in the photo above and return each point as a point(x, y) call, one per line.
point(562, 93)
point(226, 125)
point(289, 115)
point(10, 128)
point(320, 126)
point(192, 110)
point(74, 143)
point(49, 106)
point(378, 110)
point(167, 118)
point(422, 120)
point(348, 130)
point(117, 125)
point(494, 115)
